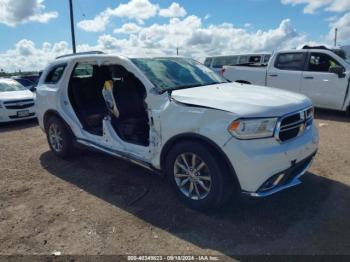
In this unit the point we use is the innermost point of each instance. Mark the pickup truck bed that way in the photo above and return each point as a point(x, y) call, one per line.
point(246, 74)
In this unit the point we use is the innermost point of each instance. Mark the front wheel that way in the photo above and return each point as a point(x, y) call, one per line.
point(197, 176)
point(59, 137)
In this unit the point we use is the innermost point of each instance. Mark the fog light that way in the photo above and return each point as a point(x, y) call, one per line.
point(279, 179)
point(272, 182)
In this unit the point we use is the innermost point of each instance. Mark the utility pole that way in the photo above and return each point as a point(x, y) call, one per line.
point(335, 37)
point(72, 25)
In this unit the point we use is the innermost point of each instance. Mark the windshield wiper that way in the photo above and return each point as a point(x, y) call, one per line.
point(189, 86)
point(185, 87)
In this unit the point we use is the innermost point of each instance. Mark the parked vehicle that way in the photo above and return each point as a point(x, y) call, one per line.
point(217, 62)
point(28, 81)
point(16, 102)
point(175, 116)
point(320, 74)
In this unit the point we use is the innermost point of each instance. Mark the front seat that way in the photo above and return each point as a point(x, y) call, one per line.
point(96, 108)
point(132, 122)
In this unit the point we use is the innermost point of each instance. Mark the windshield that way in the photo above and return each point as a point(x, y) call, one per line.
point(9, 86)
point(177, 73)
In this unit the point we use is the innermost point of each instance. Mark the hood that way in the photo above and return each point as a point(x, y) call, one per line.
point(244, 100)
point(16, 95)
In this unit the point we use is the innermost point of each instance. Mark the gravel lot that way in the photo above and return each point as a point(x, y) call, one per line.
point(96, 204)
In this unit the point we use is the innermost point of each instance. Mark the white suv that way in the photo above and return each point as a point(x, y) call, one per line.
point(176, 117)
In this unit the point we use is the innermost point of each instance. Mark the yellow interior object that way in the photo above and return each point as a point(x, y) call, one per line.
point(108, 84)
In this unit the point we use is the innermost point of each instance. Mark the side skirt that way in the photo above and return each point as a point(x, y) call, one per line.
point(119, 154)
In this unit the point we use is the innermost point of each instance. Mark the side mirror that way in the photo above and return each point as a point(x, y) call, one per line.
point(337, 70)
point(32, 88)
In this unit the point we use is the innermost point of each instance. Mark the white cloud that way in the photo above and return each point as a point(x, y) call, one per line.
point(174, 10)
point(138, 10)
point(336, 6)
point(25, 47)
point(313, 5)
point(193, 37)
point(343, 25)
point(189, 34)
point(26, 56)
point(129, 28)
point(97, 24)
point(339, 6)
point(24, 11)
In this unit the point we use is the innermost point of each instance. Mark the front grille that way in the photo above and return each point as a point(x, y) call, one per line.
point(294, 125)
point(19, 104)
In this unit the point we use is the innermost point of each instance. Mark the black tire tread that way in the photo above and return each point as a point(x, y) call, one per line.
point(68, 138)
point(224, 182)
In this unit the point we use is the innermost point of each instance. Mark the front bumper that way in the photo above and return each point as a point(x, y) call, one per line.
point(10, 115)
point(257, 161)
point(290, 178)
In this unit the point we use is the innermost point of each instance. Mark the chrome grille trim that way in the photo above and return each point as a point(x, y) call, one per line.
point(304, 122)
point(19, 104)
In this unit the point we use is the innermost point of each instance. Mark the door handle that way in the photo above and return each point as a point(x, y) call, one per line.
point(308, 77)
point(273, 75)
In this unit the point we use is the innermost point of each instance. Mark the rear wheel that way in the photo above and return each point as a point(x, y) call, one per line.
point(59, 137)
point(197, 176)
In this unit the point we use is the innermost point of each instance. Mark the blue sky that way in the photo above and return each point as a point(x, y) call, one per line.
point(37, 30)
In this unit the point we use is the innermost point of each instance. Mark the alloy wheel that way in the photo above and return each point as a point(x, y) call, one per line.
point(55, 136)
point(192, 176)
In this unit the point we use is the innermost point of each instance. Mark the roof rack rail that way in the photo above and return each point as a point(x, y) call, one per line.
point(82, 53)
point(315, 47)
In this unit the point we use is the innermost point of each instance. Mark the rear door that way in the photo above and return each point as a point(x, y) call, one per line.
point(286, 72)
point(325, 89)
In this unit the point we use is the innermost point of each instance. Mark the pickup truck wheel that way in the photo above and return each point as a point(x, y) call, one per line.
point(59, 137)
point(196, 176)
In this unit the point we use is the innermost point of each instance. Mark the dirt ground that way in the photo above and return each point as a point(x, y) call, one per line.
point(96, 204)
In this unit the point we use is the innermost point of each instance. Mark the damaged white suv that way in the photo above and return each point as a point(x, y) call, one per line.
point(175, 116)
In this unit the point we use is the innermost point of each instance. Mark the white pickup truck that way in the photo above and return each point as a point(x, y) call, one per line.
point(320, 74)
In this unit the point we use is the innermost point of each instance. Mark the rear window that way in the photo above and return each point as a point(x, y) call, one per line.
point(55, 74)
point(208, 61)
point(267, 59)
point(83, 71)
point(219, 62)
point(255, 59)
point(290, 61)
point(243, 59)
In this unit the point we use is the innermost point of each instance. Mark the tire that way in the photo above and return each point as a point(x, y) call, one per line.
point(205, 194)
point(347, 112)
point(59, 137)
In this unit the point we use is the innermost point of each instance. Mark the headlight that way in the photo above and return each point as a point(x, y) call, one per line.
point(253, 128)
